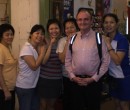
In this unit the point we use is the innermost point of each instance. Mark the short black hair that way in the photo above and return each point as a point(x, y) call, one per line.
point(6, 27)
point(37, 27)
point(72, 20)
point(111, 15)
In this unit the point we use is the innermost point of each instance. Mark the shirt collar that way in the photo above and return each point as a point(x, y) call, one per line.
point(86, 34)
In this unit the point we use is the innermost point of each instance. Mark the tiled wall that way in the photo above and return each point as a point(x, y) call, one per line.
point(83, 3)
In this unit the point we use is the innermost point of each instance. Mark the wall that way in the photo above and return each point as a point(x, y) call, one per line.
point(83, 3)
point(44, 12)
point(24, 14)
point(4, 11)
point(120, 8)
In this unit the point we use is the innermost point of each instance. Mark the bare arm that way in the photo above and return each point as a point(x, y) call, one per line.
point(117, 57)
point(31, 62)
point(3, 85)
point(47, 54)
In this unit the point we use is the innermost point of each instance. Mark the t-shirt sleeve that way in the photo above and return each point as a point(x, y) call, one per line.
point(122, 45)
point(26, 50)
point(1, 57)
point(61, 45)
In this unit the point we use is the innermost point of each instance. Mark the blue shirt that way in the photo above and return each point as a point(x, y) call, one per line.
point(122, 45)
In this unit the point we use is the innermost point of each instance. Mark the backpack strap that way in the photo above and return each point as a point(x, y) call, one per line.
point(99, 46)
point(71, 42)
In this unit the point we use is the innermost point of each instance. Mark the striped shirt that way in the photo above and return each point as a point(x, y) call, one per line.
point(53, 68)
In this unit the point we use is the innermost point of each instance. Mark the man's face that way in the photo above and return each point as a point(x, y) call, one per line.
point(84, 20)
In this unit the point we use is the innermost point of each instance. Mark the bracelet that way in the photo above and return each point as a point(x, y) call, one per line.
point(110, 50)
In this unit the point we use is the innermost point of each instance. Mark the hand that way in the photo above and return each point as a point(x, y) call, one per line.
point(107, 41)
point(53, 40)
point(86, 81)
point(70, 35)
point(44, 42)
point(77, 80)
point(41, 48)
point(7, 95)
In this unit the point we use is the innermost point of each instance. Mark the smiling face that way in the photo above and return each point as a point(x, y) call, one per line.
point(37, 36)
point(70, 28)
point(84, 20)
point(7, 38)
point(54, 30)
point(110, 25)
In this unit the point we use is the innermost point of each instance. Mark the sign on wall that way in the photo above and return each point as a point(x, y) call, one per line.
point(68, 9)
point(57, 9)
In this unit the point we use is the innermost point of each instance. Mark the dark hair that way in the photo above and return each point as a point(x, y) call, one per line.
point(4, 28)
point(36, 28)
point(111, 15)
point(72, 20)
point(53, 21)
point(82, 9)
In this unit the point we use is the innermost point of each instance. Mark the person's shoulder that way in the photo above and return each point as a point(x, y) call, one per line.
point(78, 33)
point(1, 46)
point(121, 37)
point(62, 38)
point(26, 47)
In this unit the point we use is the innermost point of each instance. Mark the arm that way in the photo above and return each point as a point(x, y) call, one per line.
point(30, 60)
point(47, 54)
point(116, 57)
point(3, 85)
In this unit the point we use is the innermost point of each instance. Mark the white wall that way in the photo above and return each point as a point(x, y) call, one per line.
point(4, 10)
point(24, 14)
point(83, 3)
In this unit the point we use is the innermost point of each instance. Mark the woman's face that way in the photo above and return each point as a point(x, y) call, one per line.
point(37, 36)
point(110, 25)
point(7, 38)
point(54, 30)
point(70, 28)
